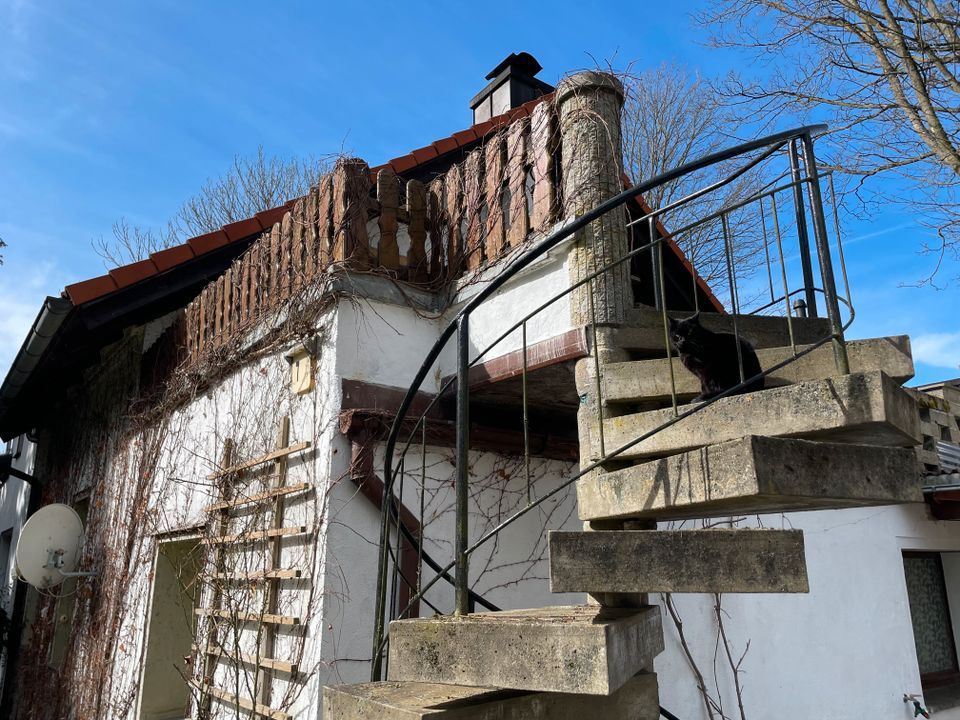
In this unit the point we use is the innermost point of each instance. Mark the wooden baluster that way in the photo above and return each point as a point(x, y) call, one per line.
point(435, 206)
point(517, 139)
point(417, 229)
point(453, 201)
point(324, 217)
point(388, 195)
point(493, 182)
point(542, 144)
point(473, 201)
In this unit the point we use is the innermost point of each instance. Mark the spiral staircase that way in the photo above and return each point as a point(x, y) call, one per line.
point(833, 428)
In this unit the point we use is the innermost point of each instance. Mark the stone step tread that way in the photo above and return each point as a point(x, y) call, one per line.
point(642, 330)
point(863, 408)
point(755, 474)
point(678, 561)
point(649, 380)
point(580, 649)
point(638, 699)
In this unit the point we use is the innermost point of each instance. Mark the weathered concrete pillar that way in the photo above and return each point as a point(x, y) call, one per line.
point(589, 105)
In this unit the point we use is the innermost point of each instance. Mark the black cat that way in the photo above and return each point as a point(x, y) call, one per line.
point(712, 357)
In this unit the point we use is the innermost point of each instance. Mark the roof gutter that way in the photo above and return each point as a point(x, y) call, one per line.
point(49, 321)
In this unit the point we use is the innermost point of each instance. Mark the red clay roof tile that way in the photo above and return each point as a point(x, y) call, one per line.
point(134, 272)
point(242, 229)
point(269, 218)
point(171, 257)
point(211, 241)
point(404, 163)
point(445, 145)
point(88, 290)
point(421, 155)
point(465, 137)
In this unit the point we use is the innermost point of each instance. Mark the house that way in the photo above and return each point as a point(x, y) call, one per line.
point(222, 416)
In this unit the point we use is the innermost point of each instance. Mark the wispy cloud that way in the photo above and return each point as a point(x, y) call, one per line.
point(937, 349)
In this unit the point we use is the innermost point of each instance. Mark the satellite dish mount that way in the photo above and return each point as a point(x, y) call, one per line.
point(48, 548)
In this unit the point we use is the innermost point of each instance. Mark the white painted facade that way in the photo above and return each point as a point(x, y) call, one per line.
point(845, 650)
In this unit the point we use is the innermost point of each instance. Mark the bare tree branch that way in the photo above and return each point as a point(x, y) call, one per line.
point(250, 186)
point(882, 73)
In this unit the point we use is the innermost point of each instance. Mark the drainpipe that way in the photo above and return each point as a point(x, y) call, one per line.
point(15, 633)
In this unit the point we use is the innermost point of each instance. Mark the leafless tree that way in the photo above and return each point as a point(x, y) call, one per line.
point(251, 185)
point(672, 117)
point(883, 74)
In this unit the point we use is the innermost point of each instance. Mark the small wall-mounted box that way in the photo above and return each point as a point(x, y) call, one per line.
point(302, 368)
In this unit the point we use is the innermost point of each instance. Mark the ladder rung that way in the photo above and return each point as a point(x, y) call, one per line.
point(257, 535)
point(275, 455)
point(260, 575)
point(249, 499)
point(257, 708)
point(249, 617)
point(269, 663)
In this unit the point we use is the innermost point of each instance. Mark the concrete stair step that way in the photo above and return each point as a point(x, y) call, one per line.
point(752, 475)
point(638, 699)
point(678, 561)
point(643, 330)
point(649, 380)
point(582, 649)
point(864, 408)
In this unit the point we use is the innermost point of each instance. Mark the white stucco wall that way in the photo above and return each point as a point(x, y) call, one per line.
point(843, 651)
point(382, 343)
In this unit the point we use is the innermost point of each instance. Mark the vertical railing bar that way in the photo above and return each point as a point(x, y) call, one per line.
point(395, 590)
point(666, 325)
point(462, 478)
point(823, 254)
point(836, 229)
point(783, 273)
point(766, 251)
point(654, 254)
point(693, 279)
point(526, 415)
point(423, 492)
point(596, 369)
point(734, 300)
point(802, 235)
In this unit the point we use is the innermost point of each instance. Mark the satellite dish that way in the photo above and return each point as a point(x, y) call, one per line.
point(49, 546)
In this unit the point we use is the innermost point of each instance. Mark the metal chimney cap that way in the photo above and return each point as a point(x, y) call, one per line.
point(522, 62)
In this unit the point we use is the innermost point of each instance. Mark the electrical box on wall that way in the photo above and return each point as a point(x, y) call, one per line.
point(302, 368)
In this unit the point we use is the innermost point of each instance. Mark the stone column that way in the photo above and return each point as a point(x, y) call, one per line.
point(589, 105)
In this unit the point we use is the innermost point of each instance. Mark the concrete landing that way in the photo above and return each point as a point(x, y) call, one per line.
point(643, 330)
point(864, 408)
point(588, 650)
point(638, 699)
point(753, 475)
point(678, 561)
point(649, 380)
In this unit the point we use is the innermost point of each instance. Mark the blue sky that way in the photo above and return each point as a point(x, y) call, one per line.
point(116, 110)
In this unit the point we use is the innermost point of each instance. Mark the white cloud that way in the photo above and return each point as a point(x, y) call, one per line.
point(937, 349)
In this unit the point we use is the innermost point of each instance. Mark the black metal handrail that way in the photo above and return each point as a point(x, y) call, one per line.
point(460, 324)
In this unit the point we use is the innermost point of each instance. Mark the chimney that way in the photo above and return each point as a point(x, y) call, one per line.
point(512, 83)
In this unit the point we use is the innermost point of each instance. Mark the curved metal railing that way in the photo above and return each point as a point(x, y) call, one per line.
point(763, 148)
